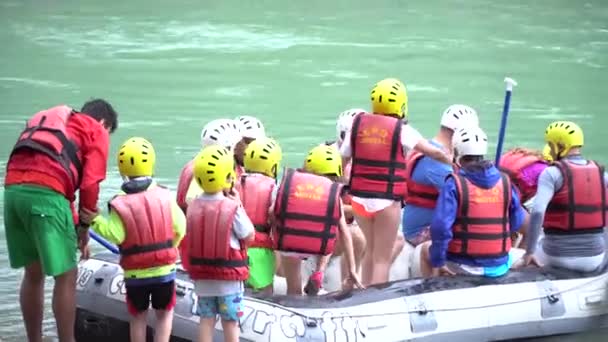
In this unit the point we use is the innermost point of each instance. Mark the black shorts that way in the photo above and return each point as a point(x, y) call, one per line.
point(161, 295)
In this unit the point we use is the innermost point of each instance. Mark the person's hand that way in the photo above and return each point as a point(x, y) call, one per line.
point(83, 242)
point(442, 271)
point(87, 216)
point(527, 260)
point(233, 194)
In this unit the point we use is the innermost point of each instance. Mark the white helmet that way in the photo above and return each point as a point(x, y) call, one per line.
point(470, 141)
point(345, 121)
point(457, 115)
point(223, 132)
point(251, 127)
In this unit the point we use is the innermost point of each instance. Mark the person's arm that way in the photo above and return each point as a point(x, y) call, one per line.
point(412, 139)
point(242, 227)
point(94, 162)
point(111, 229)
point(517, 213)
point(443, 219)
point(179, 223)
point(547, 186)
point(347, 241)
point(346, 150)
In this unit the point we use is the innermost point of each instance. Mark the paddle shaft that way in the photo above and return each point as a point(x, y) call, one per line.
point(503, 120)
point(103, 242)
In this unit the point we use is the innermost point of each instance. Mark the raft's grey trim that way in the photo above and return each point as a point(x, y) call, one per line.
point(522, 330)
point(551, 301)
point(421, 319)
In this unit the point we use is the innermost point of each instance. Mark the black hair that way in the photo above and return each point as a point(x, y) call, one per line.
point(100, 109)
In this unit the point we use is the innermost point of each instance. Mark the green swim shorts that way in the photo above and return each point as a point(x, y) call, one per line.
point(261, 267)
point(39, 227)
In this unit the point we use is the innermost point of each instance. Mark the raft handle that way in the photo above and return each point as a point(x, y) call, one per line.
point(552, 299)
point(311, 323)
point(98, 280)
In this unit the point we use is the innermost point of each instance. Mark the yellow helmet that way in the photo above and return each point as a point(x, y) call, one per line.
point(263, 155)
point(136, 158)
point(214, 169)
point(564, 133)
point(324, 160)
point(389, 97)
point(547, 153)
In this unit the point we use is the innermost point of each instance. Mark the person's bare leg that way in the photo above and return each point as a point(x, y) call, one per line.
point(64, 304)
point(293, 274)
point(206, 327)
point(386, 224)
point(425, 260)
point(137, 327)
point(359, 246)
point(231, 331)
point(31, 299)
point(397, 247)
point(367, 263)
point(164, 324)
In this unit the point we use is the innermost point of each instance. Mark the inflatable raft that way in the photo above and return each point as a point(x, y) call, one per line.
point(525, 303)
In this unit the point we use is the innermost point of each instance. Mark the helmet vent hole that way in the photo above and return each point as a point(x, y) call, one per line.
point(396, 87)
point(215, 157)
point(391, 100)
point(144, 152)
point(132, 161)
point(210, 172)
point(144, 160)
point(212, 179)
point(264, 157)
point(211, 164)
point(122, 153)
point(393, 93)
point(380, 98)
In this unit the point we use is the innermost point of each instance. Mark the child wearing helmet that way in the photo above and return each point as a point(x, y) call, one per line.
point(147, 224)
point(570, 205)
point(251, 128)
point(216, 220)
point(262, 160)
point(222, 132)
point(477, 210)
point(425, 176)
point(309, 217)
point(377, 146)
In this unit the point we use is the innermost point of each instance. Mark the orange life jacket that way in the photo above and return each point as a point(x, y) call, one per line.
point(148, 224)
point(256, 196)
point(513, 163)
point(307, 209)
point(378, 163)
point(579, 206)
point(210, 256)
point(482, 228)
point(422, 195)
point(46, 132)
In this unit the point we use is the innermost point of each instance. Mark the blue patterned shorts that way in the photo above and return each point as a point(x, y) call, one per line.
point(230, 307)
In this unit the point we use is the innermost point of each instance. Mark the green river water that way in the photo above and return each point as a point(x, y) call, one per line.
point(168, 67)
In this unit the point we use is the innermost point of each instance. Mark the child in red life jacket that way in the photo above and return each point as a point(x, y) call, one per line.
point(214, 252)
point(309, 216)
point(222, 132)
point(258, 184)
point(147, 224)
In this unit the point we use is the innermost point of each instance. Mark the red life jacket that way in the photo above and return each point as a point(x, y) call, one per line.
point(148, 224)
point(579, 206)
point(512, 163)
point(46, 132)
point(307, 209)
point(422, 195)
point(210, 255)
point(256, 196)
point(378, 164)
point(185, 178)
point(482, 226)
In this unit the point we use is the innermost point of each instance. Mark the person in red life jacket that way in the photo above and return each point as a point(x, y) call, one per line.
point(251, 128)
point(570, 205)
point(426, 176)
point(309, 216)
point(215, 252)
point(524, 166)
point(258, 191)
point(377, 146)
point(477, 210)
point(147, 225)
point(61, 151)
point(222, 132)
